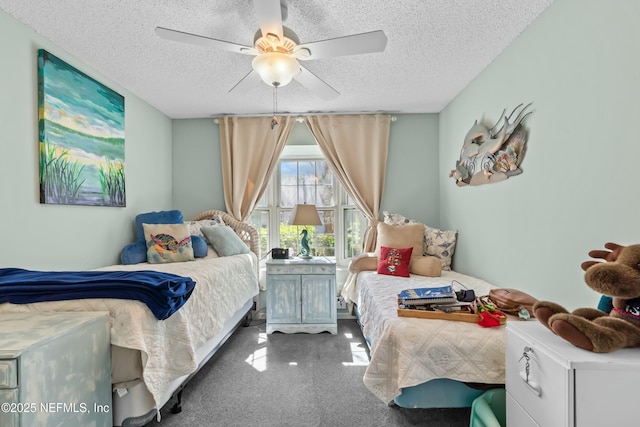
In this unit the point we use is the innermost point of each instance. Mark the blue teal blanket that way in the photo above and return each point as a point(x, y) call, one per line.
point(163, 293)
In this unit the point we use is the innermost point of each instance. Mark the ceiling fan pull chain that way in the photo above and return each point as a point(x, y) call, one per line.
point(274, 119)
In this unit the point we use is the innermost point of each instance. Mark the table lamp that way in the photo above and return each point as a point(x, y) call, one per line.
point(305, 215)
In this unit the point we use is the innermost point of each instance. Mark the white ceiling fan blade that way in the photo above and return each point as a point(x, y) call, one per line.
point(270, 17)
point(355, 44)
point(180, 36)
point(248, 82)
point(315, 84)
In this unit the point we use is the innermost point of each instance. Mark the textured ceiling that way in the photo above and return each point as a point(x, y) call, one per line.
point(434, 49)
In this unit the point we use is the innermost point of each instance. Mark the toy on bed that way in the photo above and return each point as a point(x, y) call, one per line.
point(593, 329)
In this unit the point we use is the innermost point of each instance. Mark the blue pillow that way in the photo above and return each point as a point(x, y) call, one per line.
point(134, 253)
point(224, 240)
point(200, 249)
point(161, 217)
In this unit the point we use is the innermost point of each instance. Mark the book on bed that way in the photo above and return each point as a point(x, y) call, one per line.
point(427, 296)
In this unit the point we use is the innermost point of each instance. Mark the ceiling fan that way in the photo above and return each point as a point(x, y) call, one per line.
point(277, 50)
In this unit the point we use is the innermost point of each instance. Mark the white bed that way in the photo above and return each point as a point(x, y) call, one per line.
point(152, 359)
point(408, 353)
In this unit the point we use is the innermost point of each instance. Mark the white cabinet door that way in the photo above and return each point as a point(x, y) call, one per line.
point(318, 299)
point(283, 298)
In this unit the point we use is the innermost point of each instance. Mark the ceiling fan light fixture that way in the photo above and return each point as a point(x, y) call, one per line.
point(275, 68)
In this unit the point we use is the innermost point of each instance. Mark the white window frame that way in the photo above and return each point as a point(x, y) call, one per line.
point(306, 153)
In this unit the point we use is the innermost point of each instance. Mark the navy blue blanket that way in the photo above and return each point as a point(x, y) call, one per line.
point(163, 293)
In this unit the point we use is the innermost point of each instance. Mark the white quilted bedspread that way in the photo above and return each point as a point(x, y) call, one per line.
point(410, 351)
point(168, 347)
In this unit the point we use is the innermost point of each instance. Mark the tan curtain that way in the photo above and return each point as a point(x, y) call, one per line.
point(355, 147)
point(249, 151)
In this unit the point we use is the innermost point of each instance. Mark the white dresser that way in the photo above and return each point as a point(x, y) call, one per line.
point(301, 295)
point(567, 386)
point(55, 370)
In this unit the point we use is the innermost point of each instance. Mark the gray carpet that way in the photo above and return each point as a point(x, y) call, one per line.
point(293, 380)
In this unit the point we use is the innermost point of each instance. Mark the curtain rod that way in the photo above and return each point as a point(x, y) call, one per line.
point(299, 117)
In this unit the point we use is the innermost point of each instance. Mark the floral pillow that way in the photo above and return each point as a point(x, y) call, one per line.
point(394, 261)
point(168, 243)
point(196, 226)
point(393, 218)
point(438, 243)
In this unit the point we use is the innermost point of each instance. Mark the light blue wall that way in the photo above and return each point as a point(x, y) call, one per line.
point(411, 184)
point(197, 178)
point(579, 62)
point(58, 237)
point(411, 180)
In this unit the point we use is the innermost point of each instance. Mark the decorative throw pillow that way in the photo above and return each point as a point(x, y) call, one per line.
point(168, 243)
point(196, 226)
point(405, 236)
point(200, 247)
point(394, 218)
point(441, 244)
point(438, 243)
point(363, 262)
point(134, 253)
point(428, 266)
point(394, 261)
point(224, 240)
point(160, 217)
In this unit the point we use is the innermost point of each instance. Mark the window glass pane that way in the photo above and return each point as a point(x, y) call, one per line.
point(321, 238)
point(307, 194)
point(306, 173)
point(288, 196)
point(288, 233)
point(323, 172)
point(260, 220)
point(262, 203)
point(289, 173)
point(354, 226)
point(325, 196)
point(324, 241)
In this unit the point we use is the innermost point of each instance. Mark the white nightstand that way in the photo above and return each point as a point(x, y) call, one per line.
point(567, 386)
point(301, 295)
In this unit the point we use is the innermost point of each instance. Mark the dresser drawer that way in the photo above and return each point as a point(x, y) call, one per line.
point(323, 269)
point(8, 373)
point(301, 269)
point(546, 394)
point(288, 269)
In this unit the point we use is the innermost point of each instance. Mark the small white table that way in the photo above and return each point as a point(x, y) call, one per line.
point(301, 295)
point(567, 386)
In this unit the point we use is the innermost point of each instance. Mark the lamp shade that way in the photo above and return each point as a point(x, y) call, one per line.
point(305, 215)
point(275, 68)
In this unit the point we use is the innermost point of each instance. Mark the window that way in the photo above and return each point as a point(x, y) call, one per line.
point(303, 176)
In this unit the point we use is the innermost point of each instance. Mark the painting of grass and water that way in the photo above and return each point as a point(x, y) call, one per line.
point(81, 134)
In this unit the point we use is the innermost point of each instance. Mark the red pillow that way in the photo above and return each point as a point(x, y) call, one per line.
point(394, 262)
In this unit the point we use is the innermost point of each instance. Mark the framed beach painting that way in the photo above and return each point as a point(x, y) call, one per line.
point(81, 135)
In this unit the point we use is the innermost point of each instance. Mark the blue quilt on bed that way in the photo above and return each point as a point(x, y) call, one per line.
point(163, 293)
